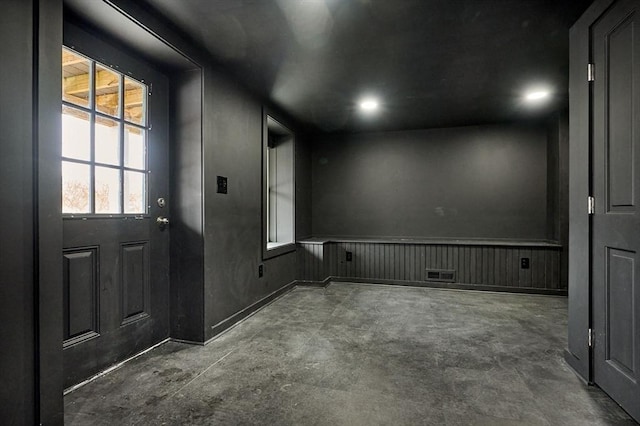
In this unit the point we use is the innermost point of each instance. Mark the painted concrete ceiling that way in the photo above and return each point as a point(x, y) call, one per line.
point(430, 63)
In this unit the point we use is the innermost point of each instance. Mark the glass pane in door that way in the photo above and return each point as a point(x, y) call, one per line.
point(107, 141)
point(134, 147)
point(76, 134)
point(135, 96)
point(134, 192)
point(76, 84)
point(107, 192)
point(76, 184)
point(107, 91)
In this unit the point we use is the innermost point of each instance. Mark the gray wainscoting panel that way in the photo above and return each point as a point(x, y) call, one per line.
point(311, 262)
point(476, 264)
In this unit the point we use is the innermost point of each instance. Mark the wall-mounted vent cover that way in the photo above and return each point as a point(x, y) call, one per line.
point(433, 275)
point(443, 275)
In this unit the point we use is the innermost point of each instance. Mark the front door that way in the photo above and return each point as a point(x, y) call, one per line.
point(114, 189)
point(616, 188)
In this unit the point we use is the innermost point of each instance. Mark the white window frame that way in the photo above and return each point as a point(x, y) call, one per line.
point(278, 204)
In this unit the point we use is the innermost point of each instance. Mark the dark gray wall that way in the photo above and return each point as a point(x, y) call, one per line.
point(303, 187)
point(186, 206)
point(553, 160)
point(233, 222)
point(17, 261)
point(49, 234)
point(558, 187)
point(563, 196)
point(466, 182)
point(30, 247)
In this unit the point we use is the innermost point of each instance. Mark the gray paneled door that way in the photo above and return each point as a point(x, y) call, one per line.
point(616, 188)
point(115, 167)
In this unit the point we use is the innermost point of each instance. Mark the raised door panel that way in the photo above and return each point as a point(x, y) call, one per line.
point(81, 289)
point(620, 126)
point(135, 281)
point(619, 308)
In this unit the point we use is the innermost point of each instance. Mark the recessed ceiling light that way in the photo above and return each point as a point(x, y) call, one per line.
point(369, 105)
point(537, 95)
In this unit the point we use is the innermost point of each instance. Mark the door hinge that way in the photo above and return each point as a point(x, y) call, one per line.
point(591, 72)
point(591, 338)
point(591, 205)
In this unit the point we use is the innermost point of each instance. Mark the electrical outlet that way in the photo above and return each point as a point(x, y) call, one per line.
point(524, 263)
point(349, 256)
point(260, 271)
point(222, 185)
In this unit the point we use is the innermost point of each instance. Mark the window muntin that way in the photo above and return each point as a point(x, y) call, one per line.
point(104, 139)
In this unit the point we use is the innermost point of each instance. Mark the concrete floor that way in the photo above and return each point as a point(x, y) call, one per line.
point(354, 354)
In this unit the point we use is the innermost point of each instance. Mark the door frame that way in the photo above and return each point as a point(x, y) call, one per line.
point(47, 236)
point(578, 353)
point(47, 240)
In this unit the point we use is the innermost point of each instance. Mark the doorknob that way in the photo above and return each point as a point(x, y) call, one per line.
point(162, 222)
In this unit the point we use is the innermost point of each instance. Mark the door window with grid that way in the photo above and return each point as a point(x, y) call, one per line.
point(104, 139)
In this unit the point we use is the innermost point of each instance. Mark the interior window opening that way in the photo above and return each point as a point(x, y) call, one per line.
point(279, 185)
